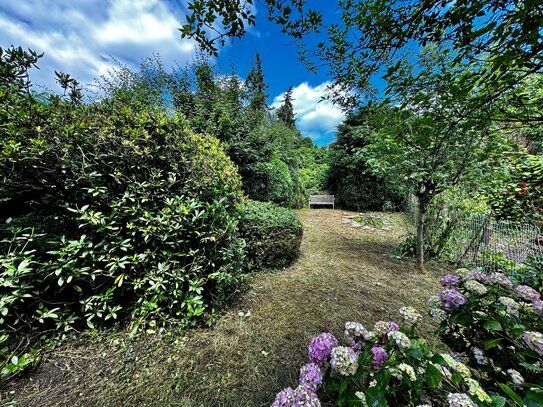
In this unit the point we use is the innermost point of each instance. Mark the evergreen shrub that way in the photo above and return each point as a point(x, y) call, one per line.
point(272, 234)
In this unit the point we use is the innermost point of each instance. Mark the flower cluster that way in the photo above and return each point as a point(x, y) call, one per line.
point(450, 280)
point(400, 339)
point(355, 331)
point(489, 311)
point(380, 356)
point(460, 400)
point(527, 293)
point(311, 376)
point(475, 287)
point(321, 346)
point(501, 279)
point(410, 315)
point(534, 340)
point(452, 298)
point(344, 361)
point(301, 396)
point(479, 356)
point(403, 369)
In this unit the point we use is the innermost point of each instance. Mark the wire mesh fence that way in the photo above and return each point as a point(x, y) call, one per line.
point(477, 239)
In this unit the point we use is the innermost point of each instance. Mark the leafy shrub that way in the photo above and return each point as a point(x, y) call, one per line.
point(278, 186)
point(108, 212)
point(272, 234)
point(499, 327)
point(385, 366)
point(520, 197)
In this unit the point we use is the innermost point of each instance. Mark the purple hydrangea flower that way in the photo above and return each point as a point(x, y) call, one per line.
point(451, 298)
point(527, 293)
point(450, 280)
point(501, 279)
point(393, 326)
point(382, 328)
point(321, 346)
point(301, 396)
point(477, 276)
point(379, 356)
point(311, 376)
point(357, 347)
point(285, 398)
point(538, 306)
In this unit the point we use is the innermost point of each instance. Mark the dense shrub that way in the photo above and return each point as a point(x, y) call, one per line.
point(272, 234)
point(499, 326)
point(387, 366)
point(107, 211)
point(520, 196)
point(349, 176)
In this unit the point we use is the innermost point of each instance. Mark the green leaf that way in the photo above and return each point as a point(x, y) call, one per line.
point(375, 397)
point(510, 392)
point(498, 401)
point(493, 325)
point(533, 399)
point(433, 376)
point(491, 343)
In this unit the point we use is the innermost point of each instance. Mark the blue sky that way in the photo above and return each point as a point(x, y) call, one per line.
point(80, 37)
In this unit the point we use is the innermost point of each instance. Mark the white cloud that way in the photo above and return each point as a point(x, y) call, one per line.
point(79, 37)
point(315, 117)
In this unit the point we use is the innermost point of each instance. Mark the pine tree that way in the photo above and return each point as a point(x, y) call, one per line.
point(256, 87)
point(285, 112)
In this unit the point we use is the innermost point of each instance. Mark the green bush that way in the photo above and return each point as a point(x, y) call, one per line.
point(273, 235)
point(109, 212)
point(498, 326)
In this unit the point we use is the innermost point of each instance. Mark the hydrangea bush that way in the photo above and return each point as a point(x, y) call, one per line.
point(388, 364)
point(498, 326)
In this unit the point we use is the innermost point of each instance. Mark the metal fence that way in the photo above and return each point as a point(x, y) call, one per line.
point(479, 240)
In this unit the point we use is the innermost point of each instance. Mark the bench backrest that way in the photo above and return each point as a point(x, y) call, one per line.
point(325, 199)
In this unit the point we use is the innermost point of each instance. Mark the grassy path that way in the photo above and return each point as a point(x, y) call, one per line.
point(258, 346)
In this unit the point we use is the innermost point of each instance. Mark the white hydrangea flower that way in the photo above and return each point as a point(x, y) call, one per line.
point(408, 370)
point(511, 305)
point(362, 397)
point(475, 389)
point(369, 335)
point(459, 400)
point(475, 287)
point(344, 361)
point(479, 356)
point(354, 330)
point(456, 366)
point(400, 339)
point(410, 315)
point(438, 314)
point(516, 377)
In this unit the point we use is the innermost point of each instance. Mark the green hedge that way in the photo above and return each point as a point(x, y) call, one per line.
point(108, 212)
point(272, 234)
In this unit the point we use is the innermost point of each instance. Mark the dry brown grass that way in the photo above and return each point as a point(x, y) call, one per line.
point(342, 274)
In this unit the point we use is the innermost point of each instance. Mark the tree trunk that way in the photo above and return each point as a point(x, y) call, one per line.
point(421, 213)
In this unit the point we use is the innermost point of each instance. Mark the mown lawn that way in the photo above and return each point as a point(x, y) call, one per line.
point(257, 347)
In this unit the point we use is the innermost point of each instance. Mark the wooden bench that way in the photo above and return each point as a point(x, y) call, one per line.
point(321, 200)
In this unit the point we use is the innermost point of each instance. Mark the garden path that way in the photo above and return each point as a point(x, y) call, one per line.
point(256, 348)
